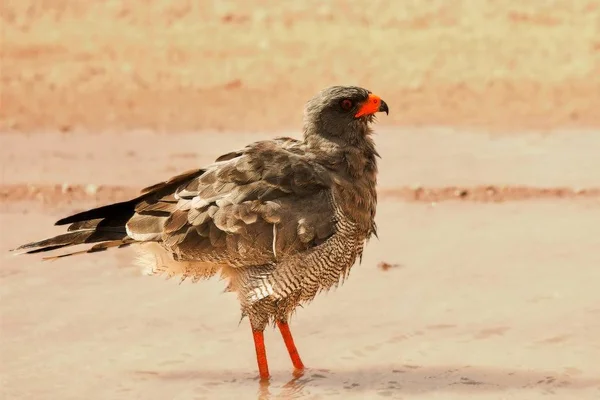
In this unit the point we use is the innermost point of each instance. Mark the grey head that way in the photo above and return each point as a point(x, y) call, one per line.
point(342, 113)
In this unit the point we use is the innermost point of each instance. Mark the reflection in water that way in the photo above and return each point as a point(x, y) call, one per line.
point(294, 389)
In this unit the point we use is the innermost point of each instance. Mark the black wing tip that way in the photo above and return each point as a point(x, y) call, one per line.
point(63, 221)
point(73, 218)
point(106, 211)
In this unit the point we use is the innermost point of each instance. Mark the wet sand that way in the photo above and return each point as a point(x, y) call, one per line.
point(484, 300)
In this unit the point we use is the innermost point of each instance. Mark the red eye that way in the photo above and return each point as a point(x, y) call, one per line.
point(346, 104)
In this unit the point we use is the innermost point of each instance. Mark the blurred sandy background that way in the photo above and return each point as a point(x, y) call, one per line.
point(182, 65)
point(489, 215)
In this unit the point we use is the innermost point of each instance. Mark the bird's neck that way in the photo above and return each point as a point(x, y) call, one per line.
point(355, 155)
point(356, 166)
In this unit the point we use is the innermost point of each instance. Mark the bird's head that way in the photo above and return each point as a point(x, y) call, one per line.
point(342, 112)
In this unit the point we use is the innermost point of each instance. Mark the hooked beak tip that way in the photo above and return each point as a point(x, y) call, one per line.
point(383, 107)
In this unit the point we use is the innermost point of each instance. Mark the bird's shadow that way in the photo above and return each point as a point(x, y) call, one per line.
point(388, 382)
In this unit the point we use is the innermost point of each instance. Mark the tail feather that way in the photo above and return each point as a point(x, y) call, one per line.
point(94, 249)
point(106, 225)
point(87, 224)
point(43, 249)
point(103, 224)
point(72, 239)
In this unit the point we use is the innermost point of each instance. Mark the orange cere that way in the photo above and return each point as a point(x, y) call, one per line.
point(370, 106)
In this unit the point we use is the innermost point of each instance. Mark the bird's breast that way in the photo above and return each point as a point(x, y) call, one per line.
point(356, 203)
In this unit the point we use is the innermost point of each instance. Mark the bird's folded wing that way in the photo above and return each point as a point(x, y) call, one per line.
point(250, 208)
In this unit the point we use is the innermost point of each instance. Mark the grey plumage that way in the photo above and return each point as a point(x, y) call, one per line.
point(282, 219)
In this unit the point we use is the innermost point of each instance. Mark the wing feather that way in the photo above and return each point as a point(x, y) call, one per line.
point(263, 201)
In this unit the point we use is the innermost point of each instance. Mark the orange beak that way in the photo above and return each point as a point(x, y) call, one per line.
point(372, 105)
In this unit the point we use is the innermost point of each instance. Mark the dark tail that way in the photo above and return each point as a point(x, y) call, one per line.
point(105, 226)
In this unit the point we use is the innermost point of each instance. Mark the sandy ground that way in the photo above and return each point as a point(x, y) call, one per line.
point(489, 217)
point(485, 299)
point(183, 65)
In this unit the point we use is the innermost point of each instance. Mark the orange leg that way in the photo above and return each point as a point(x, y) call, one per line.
point(261, 354)
point(289, 343)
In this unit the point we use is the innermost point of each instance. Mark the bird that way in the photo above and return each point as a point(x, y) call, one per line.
point(280, 220)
